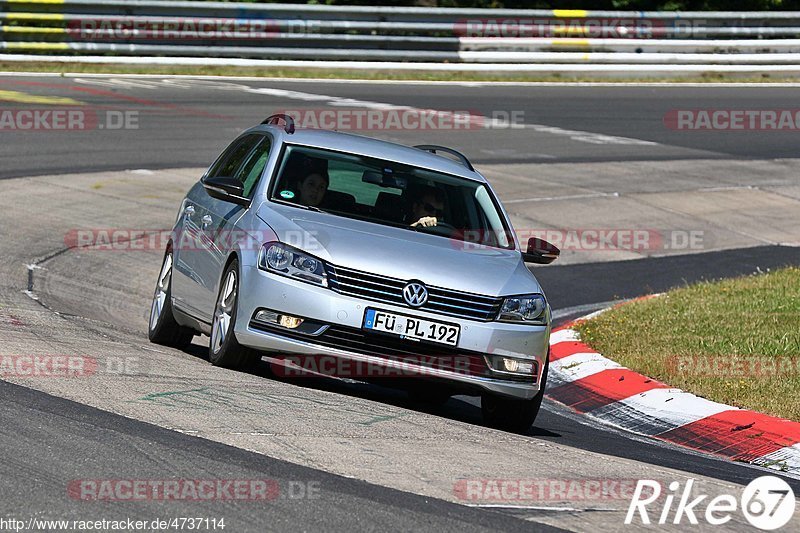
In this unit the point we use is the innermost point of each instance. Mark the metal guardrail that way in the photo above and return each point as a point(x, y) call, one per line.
point(214, 31)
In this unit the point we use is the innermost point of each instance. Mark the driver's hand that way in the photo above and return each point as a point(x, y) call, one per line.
point(425, 222)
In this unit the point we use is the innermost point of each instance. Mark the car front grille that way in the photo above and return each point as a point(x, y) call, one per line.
point(390, 290)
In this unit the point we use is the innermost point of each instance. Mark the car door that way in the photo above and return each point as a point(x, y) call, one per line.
point(212, 223)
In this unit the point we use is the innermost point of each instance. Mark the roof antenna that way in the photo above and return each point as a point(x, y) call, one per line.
point(288, 122)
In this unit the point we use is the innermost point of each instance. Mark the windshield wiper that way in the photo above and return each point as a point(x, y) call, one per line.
point(302, 206)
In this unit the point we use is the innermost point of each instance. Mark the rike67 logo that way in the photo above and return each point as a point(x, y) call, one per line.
point(767, 503)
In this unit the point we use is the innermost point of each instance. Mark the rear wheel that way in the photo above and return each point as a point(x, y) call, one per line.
point(224, 350)
point(511, 414)
point(163, 327)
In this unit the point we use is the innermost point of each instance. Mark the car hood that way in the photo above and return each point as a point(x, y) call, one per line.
point(400, 253)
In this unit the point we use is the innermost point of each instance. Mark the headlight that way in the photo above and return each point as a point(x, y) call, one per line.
point(528, 309)
point(287, 261)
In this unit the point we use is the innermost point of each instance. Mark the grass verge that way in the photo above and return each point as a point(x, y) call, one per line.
point(735, 341)
point(390, 75)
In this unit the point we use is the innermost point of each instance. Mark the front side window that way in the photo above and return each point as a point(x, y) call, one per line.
point(390, 193)
point(244, 160)
point(253, 167)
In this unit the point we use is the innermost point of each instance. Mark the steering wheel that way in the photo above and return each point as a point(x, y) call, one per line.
point(445, 225)
point(443, 228)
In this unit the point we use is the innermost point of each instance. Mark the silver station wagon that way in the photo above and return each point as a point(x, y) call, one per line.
point(341, 255)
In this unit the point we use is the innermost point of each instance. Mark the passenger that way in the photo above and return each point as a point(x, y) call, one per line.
point(428, 209)
point(311, 189)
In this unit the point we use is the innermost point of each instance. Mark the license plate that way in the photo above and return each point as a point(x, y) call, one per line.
point(411, 328)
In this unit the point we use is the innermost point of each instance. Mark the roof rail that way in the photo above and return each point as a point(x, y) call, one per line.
point(288, 121)
point(433, 148)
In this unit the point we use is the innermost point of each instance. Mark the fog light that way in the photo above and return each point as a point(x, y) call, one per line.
point(290, 322)
point(513, 366)
point(267, 317)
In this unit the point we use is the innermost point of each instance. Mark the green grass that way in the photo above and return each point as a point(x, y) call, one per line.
point(100, 68)
point(735, 341)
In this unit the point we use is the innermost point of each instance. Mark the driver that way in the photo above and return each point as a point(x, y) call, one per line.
point(428, 209)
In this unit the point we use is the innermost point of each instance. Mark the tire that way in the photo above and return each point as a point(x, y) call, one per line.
point(163, 329)
point(510, 414)
point(224, 350)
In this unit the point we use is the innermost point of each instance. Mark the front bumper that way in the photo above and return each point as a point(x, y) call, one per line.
point(260, 289)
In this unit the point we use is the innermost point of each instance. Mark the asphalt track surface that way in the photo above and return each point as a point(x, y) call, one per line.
point(54, 438)
point(194, 120)
point(49, 440)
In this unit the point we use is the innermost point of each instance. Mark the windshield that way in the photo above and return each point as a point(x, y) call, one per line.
point(391, 194)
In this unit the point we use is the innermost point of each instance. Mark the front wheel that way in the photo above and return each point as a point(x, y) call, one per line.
point(224, 350)
point(163, 327)
point(510, 414)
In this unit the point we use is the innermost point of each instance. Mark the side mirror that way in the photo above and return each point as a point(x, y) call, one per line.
point(540, 252)
point(226, 189)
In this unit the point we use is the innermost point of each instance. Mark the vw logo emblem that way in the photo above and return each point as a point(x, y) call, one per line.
point(415, 294)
